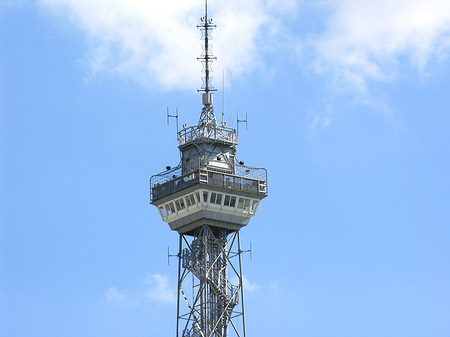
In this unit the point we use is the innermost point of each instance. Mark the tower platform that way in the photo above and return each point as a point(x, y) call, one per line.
point(208, 196)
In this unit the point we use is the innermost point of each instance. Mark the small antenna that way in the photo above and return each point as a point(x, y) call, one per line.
point(172, 116)
point(248, 251)
point(172, 255)
point(223, 93)
point(241, 121)
point(232, 121)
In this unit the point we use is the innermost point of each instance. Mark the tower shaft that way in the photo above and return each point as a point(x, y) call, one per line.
point(203, 283)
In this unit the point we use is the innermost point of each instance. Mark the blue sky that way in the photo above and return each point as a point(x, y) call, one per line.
point(348, 107)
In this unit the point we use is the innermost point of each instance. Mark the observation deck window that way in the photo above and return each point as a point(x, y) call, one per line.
point(205, 196)
point(216, 198)
point(230, 201)
point(244, 203)
point(180, 204)
point(170, 208)
point(190, 200)
point(254, 205)
point(163, 213)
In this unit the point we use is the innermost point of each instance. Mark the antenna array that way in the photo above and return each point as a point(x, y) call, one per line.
point(207, 57)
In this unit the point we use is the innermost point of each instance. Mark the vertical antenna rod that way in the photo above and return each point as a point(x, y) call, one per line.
point(223, 94)
point(206, 48)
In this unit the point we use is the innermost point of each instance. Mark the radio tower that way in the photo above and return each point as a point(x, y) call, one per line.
point(207, 199)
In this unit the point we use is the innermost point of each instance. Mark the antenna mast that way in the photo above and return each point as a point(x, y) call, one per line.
point(207, 116)
point(206, 58)
point(223, 94)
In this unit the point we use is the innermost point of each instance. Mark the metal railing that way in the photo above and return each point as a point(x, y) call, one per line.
point(249, 179)
point(218, 133)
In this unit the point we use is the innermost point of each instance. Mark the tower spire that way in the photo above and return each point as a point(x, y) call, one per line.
point(207, 116)
point(206, 48)
point(207, 57)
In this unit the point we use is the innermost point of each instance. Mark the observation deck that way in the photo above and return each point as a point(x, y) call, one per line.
point(244, 178)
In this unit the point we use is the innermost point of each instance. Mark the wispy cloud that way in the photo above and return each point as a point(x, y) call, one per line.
point(363, 44)
point(353, 44)
point(367, 41)
point(248, 285)
point(275, 287)
point(157, 290)
point(156, 43)
point(320, 119)
point(113, 295)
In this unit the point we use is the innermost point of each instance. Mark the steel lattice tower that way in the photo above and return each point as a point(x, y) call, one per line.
point(207, 199)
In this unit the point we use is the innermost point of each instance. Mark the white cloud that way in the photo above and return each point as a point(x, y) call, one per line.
point(113, 295)
point(354, 43)
point(320, 119)
point(373, 40)
point(248, 285)
point(159, 288)
point(156, 42)
point(275, 287)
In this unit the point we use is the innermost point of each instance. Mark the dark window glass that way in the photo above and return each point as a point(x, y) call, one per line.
point(226, 202)
point(246, 204)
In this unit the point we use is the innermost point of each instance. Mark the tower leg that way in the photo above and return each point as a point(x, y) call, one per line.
point(180, 245)
point(241, 283)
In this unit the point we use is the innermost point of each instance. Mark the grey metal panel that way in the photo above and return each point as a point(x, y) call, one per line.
point(206, 187)
point(209, 217)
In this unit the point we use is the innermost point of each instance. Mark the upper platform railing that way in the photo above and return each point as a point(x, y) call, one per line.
point(216, 133)
point(248, 179)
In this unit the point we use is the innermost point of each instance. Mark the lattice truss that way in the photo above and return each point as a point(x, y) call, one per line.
point(212, 302)
point(207, 122)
